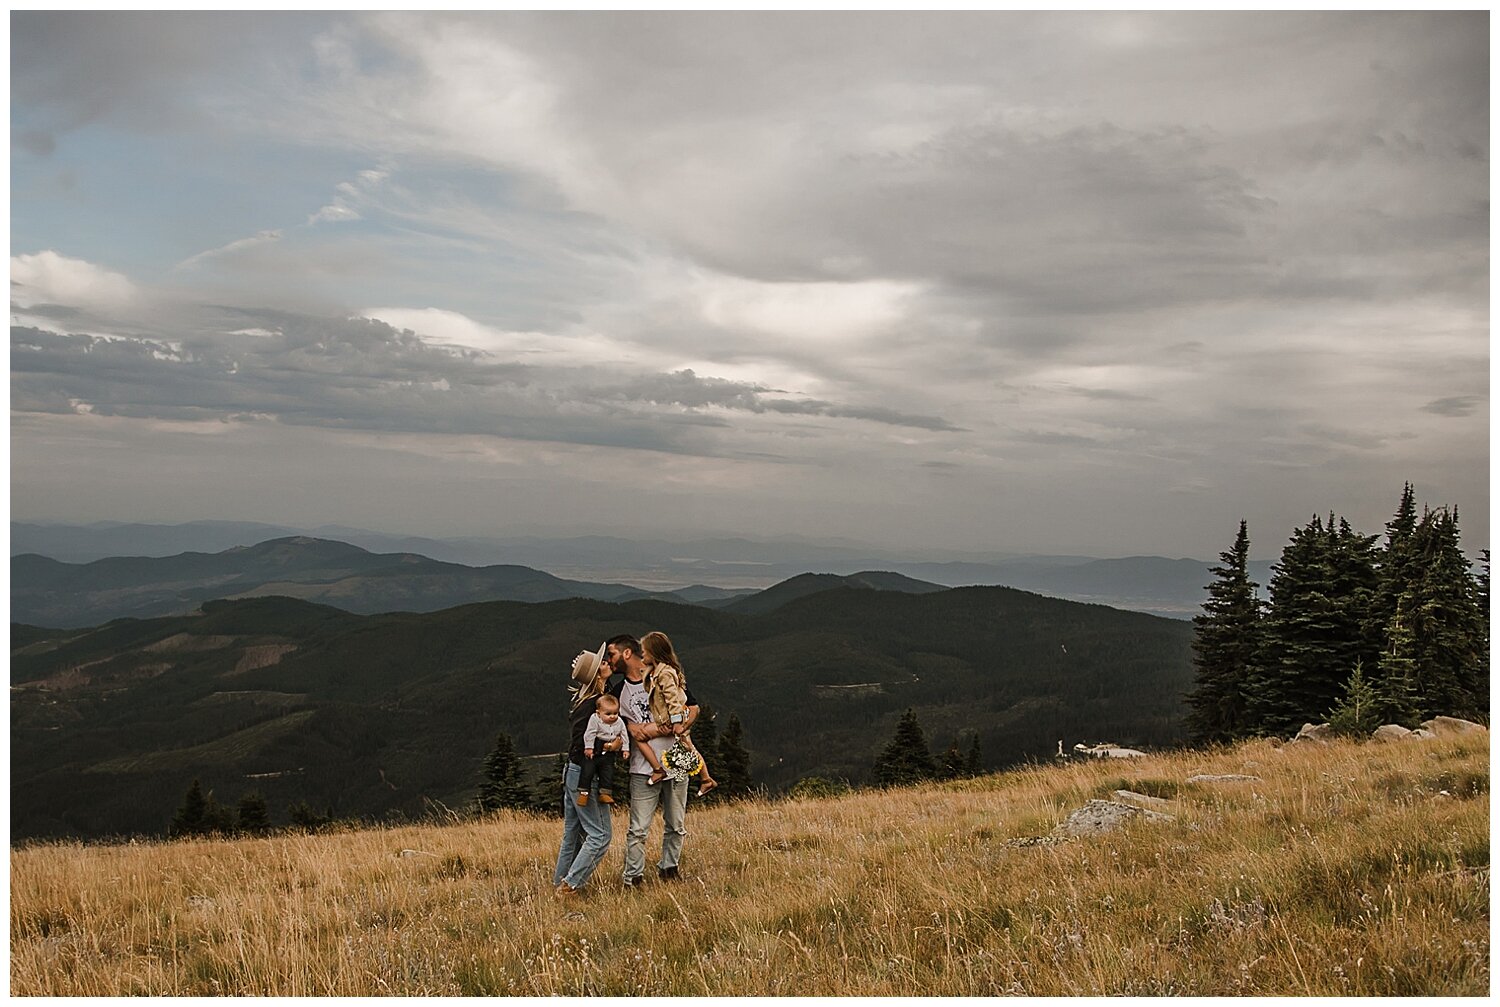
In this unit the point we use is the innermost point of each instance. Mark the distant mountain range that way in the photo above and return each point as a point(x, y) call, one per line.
point(50, 593)
point(372, 715)
point(1170, 587)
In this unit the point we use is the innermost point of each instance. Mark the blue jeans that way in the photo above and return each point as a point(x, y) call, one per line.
point(586, 834)
point(645, 797)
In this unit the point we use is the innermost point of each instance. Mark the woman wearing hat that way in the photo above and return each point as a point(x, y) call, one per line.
point(586, 828)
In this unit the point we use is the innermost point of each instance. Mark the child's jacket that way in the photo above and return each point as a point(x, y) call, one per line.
point(668, 696)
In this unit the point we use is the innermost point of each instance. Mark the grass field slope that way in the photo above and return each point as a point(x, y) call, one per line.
point(1348, 869)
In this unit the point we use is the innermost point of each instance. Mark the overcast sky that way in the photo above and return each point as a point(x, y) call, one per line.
point(1085, 283)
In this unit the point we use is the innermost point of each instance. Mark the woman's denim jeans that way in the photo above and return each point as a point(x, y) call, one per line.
point(586, 834)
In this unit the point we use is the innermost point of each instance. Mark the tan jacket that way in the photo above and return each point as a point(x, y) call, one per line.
point(668, 697)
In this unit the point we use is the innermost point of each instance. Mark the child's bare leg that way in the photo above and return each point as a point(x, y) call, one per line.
point(649, 754)
point(705, 781)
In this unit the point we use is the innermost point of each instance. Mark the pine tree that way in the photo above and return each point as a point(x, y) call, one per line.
point(546, 793)
point(1316, 625)
point(733, 769)
point(974, 762)
point(302, 816)
point(706, 735)
point(1226, 644)
point(951, 766)
point(192, 818)
point(906, 759)
point(1355, 715)
point(253, 815)
point(706, 740)
point(1452, 675)
point(1394, 564)
point(1482, 597)
point(503, 786)
point(1396, 699)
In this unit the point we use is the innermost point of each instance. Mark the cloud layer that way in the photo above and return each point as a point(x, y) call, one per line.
point(1120, 278)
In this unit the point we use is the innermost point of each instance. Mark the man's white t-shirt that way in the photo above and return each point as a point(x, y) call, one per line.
point(635, 708)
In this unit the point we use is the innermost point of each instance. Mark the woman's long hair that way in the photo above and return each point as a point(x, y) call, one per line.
point(656, 646)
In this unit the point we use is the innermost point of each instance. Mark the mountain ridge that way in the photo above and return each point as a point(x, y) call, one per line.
point(305, 701)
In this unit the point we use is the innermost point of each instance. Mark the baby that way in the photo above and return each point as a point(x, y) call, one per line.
point(604, 740)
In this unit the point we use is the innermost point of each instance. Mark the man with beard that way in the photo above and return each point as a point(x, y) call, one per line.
point(633, 690)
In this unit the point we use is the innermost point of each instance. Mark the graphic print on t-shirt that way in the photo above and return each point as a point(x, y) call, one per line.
point(638, 701)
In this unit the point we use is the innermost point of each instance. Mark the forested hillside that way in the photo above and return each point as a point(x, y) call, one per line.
point(375, 715)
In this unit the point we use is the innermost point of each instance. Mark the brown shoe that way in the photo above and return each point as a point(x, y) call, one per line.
point(583, 798)
point(565, 891)
point(605, 797)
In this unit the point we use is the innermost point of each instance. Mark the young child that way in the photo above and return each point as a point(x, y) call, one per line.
point(604, 740)
point(669, 702)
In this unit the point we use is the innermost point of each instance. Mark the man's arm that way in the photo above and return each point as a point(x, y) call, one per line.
point(645, 732)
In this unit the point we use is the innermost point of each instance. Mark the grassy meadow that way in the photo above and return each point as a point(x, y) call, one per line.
point(1351, 869)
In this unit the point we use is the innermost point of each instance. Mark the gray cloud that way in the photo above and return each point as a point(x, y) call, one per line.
point(1456, 405)
point(1244, 255)
point(363, 374)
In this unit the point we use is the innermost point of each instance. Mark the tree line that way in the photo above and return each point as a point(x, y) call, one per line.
point(504, 778)
point(202, 815)
point(1353, 631)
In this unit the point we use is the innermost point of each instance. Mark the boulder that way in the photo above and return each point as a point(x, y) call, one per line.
point(1320, 733)
point(1097, 817)
point(1389, 732)
point(1223, 778)
point(1452, 725)
point(1144, 800)
point(1421, 734)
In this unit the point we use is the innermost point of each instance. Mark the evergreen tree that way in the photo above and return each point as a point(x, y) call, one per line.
point(546, 794)
point(254, 817)
point(1315, 627)
point(1394, 564)
point(706, 735)
point(1482, 589)
point(1355, 715)
point(974, 762)
point(192, 818)
point(906, 759)
point(1446, 621)
point(1226, 644)
point(706, 740)
point(1396, 699)
point(951, 765)
point(201, 815)
point(504, 785)
point(733, 769)
point(302, 816)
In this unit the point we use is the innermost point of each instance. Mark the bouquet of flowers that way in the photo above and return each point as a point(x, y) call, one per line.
point(679, 762)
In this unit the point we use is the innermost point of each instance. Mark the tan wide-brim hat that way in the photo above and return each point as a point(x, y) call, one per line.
point(586, 665)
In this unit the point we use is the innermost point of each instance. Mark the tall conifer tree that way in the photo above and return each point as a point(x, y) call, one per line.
point(1396, 698)
point(1394, 563)
point(1452, 675)
point(733, 769)
point(1226, 645)
point(503, 786)
point(906, 759)
point(706, 740)
point(1316, 625)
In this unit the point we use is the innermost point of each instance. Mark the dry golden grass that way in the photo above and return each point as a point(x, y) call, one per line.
point(1346, 871)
